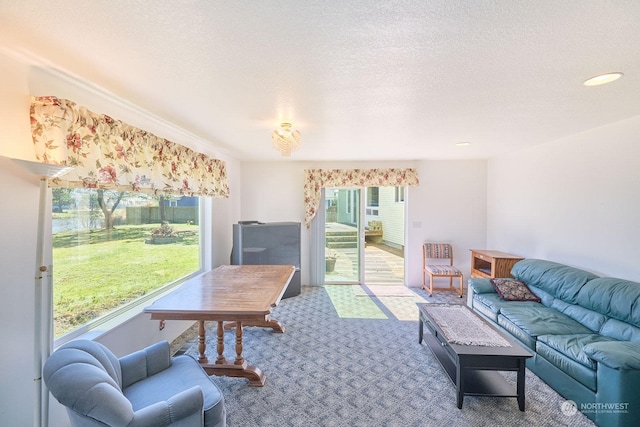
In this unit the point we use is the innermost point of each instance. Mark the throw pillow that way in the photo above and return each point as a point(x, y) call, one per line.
point(513, 290)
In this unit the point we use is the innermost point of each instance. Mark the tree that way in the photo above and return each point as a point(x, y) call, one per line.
point(108, 202)
point(61, 197)
point(163, 215)
point(162, 203)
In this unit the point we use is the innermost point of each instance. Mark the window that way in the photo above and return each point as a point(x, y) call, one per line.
point(399, 194)
point(112, 248)
point(373, 196)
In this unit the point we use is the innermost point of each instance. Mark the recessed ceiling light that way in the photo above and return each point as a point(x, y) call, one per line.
point(603, 79)
point(463, 144)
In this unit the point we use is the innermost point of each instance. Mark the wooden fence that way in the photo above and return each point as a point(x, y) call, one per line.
point(151, 214)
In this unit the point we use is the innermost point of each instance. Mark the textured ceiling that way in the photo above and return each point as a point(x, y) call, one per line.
point(362, 80)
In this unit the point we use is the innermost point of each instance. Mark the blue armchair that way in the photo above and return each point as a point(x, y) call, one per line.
point(145, 388)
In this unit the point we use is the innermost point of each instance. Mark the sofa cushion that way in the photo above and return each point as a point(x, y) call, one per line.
point(513, 290)
point(484, 304)
point(541, 320)
point(621, 355)
point(559, 280)
point(545, 297)
point(566, 353)
point(527, 323)
point(480, 285)
point(620, 330)
point(572, 346)
point(517, 332)
point(589, 318)
point(490, 304)
point(579, 372)
point(615, 298)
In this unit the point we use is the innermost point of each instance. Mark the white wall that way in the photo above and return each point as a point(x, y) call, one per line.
point(226, 212)
point(574, 201)
point(449, 205)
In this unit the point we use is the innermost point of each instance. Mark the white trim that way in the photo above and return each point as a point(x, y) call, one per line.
point(317, 244)
point(361, 234)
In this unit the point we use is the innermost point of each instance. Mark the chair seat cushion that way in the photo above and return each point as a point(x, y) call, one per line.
point(442, 270)
point(184, 373)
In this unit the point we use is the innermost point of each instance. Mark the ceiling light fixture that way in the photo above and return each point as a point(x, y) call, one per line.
point(603, 79)
point(463, 143)
point(285, 139)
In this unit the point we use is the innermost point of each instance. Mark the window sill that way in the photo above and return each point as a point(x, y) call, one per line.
point(110, 321)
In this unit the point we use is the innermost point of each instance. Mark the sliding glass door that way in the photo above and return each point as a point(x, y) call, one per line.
point(364, 235)
point(343, 236)
point(384, 236)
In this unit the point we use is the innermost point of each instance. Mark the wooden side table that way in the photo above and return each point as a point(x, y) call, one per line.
point(492, 264)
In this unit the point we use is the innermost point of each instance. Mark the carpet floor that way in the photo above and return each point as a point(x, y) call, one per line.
point(351, 360)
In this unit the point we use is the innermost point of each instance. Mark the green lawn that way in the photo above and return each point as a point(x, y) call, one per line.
point(96, 271)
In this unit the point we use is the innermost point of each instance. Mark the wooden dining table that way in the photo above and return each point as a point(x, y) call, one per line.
point(241, 294)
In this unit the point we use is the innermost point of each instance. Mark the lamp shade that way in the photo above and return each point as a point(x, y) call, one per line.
point(44, 170)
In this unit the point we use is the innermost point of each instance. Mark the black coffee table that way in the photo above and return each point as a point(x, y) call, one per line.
point(472, 368)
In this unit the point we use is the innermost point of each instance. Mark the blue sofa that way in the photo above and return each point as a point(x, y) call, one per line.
point(585, 333)
point(147, 388)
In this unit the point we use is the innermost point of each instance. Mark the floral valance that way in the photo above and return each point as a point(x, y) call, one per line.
point(317, 179)
point(110, 154)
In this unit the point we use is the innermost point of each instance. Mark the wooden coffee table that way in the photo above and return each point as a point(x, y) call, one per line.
point(472, 368)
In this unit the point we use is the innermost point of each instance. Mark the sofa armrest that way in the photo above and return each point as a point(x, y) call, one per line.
point(185, 407)
point(144, 363)
point(481, 286)
point(615, 354)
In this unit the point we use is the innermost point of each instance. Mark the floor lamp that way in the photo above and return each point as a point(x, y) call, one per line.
point(43, 296)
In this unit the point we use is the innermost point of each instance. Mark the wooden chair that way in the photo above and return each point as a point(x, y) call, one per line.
point(439, 251)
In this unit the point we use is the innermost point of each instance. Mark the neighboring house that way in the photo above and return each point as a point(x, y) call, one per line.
point(383, 205)
point(391, 214)
point(181, 201)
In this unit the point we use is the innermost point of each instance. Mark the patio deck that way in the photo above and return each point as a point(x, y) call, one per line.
point(384, 265)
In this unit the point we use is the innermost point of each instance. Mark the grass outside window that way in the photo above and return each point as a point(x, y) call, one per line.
point(97, 270)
